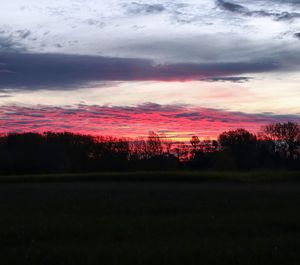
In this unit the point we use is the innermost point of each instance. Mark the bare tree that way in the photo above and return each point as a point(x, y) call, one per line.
point(195, 142)
point(154, 145)
point(286, 137)
point(167, 144)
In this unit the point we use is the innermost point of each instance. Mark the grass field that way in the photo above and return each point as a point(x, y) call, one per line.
point(161, 176)
point(150, 222)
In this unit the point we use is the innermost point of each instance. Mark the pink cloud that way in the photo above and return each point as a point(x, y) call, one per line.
point(176, 121)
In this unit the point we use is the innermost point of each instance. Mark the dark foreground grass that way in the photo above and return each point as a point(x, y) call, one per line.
point(150, 223)
point(161, 176)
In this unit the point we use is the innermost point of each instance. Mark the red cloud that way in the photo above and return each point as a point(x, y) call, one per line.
point(175, 121)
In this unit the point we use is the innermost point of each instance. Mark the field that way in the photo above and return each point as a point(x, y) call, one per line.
point(150, 221)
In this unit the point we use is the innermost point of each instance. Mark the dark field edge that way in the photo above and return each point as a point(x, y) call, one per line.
point(158, 176)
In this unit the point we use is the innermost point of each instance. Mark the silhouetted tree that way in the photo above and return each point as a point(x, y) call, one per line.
point(154, 145)
point(195, 142)
point(167, 145)
point(241, 145)
point(286, 138)
point(277, 147)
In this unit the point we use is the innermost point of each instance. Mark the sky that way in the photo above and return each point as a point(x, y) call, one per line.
point(125, 68)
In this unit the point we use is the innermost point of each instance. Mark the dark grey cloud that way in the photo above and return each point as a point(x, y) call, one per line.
point(7, 44)
point(297, 35)
point(231, 7)
point(234, 79)
point(190, 115)
point(23, 34)
point(138, 8)
point(296, 2)
point(285, 15)
point(58, 71)
point(242, 10)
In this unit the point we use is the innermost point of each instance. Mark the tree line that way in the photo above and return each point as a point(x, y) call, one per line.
point(276, 146)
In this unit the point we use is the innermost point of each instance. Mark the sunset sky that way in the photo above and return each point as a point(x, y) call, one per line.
point(125, 68)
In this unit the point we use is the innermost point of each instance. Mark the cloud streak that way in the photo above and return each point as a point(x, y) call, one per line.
point(57, 71)
point(232, 7)
point(142, 9)
point(176, 121)
point(239, 9)
point(234, 79)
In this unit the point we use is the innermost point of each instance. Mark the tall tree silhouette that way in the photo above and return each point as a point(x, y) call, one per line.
point(277, 147)
point(286, 138)
point(242, 145)
point(154, 145)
